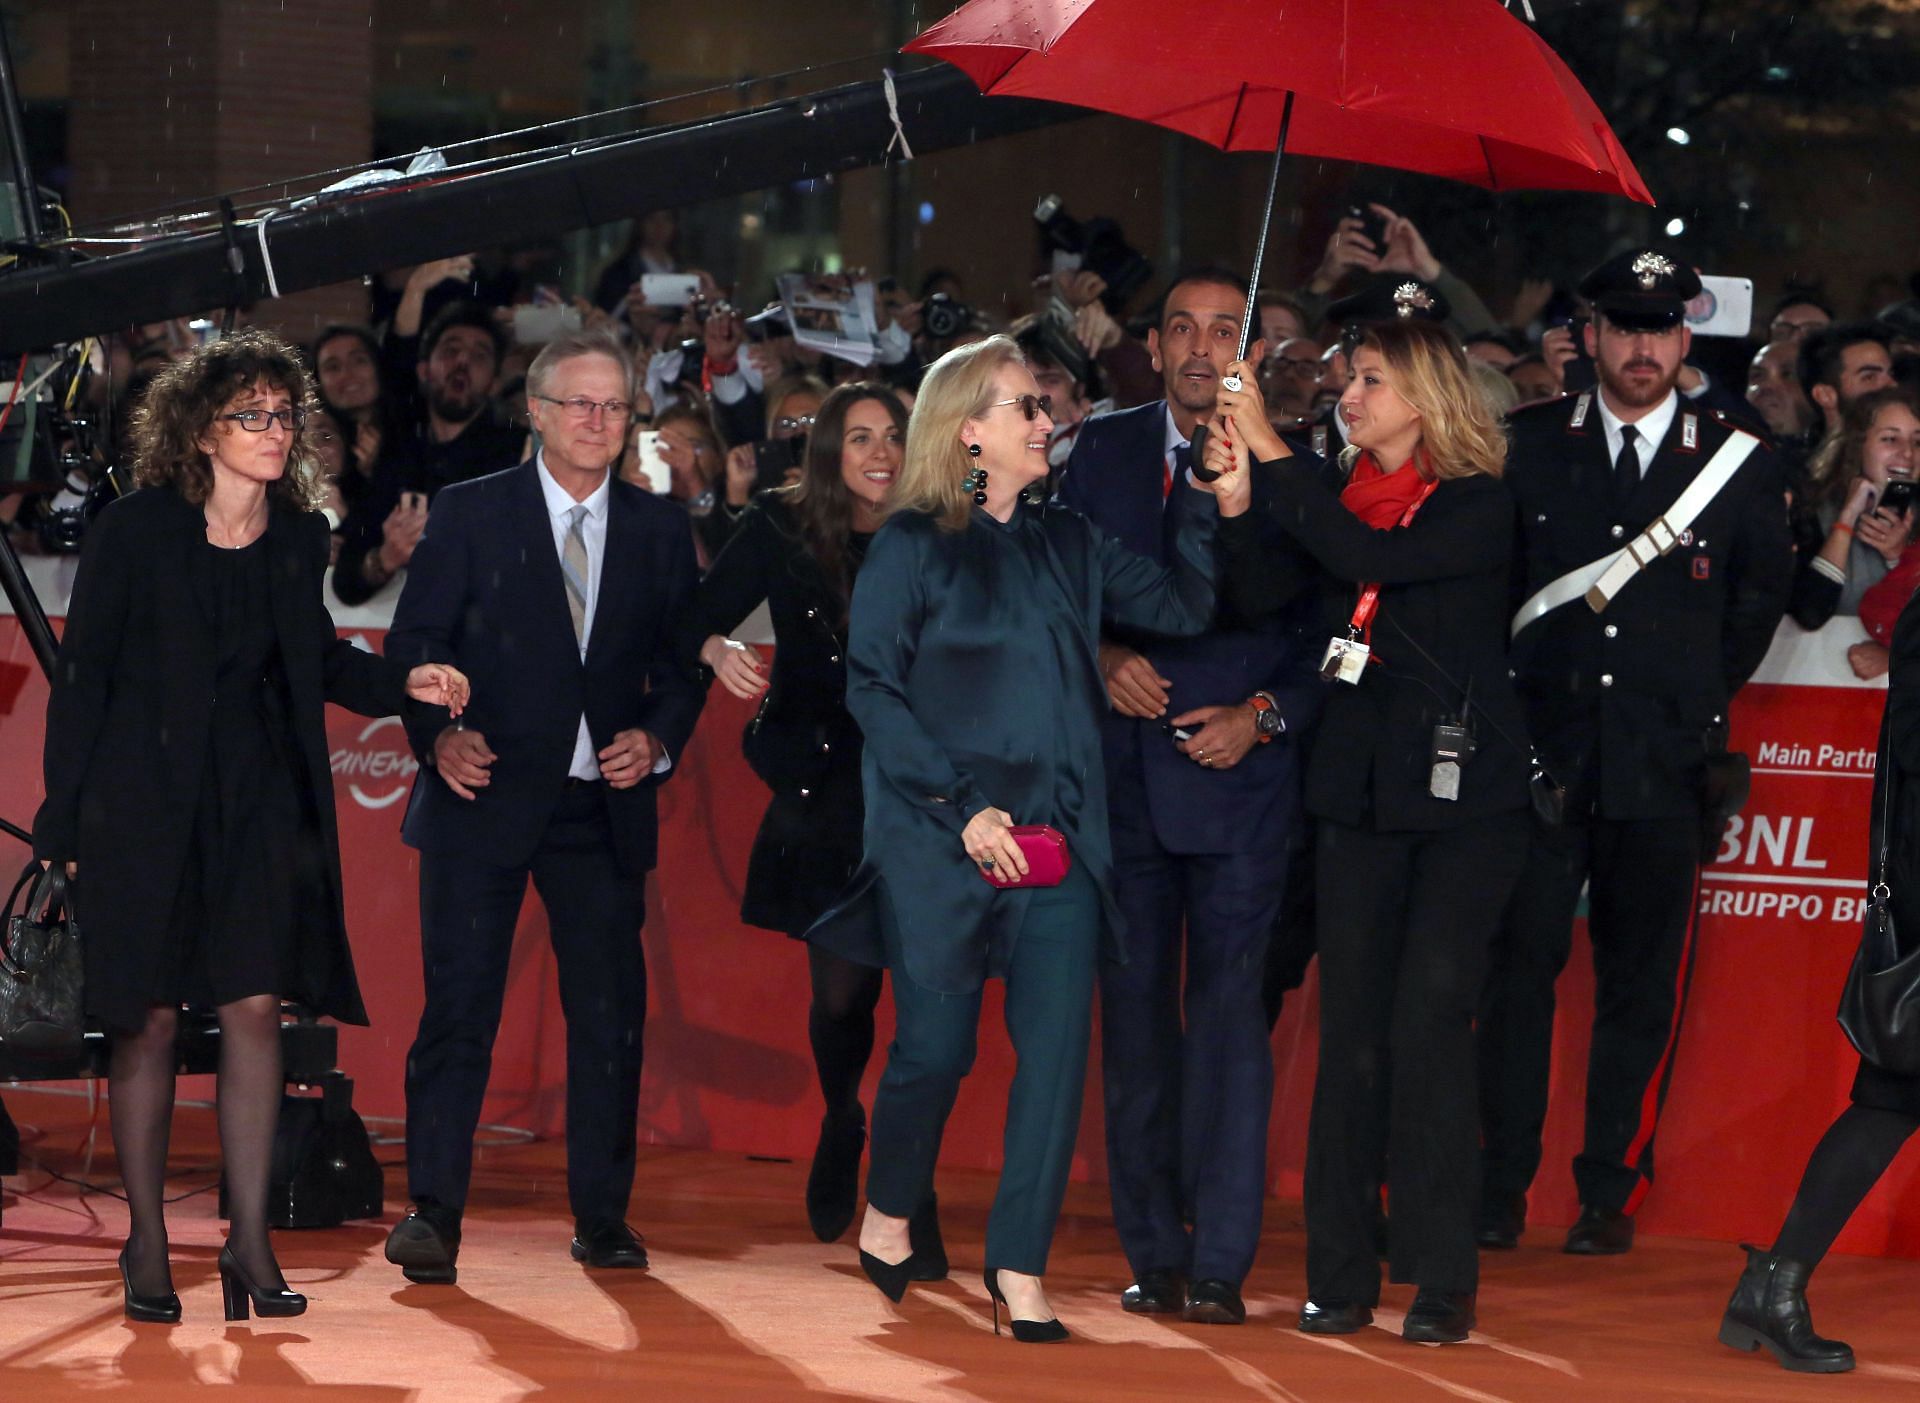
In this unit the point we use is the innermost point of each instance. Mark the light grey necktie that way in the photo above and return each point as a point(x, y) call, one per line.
point(573, 566)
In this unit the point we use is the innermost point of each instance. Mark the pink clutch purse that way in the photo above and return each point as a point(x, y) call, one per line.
point(1048, 861)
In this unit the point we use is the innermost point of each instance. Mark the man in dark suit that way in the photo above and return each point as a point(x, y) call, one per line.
point(555, 586)
point(1203, 786)
point(1628, 709)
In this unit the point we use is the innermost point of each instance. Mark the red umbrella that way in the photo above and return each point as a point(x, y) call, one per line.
point(1456, 88)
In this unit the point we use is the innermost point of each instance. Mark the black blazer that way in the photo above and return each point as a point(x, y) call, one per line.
point(802, 728)
point(484, 592)
point(802, 741)
point(1115, 479)
point(130, 719)
point(1440, 630)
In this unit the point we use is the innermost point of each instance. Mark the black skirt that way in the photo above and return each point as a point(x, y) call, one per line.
point(806, 850)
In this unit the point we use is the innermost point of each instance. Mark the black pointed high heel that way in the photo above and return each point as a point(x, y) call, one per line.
point(237, 1289)
point(1027, 1332)
point(890, 1277)
point(148, 1310)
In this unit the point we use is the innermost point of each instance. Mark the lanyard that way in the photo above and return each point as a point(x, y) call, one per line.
point(1361, 625)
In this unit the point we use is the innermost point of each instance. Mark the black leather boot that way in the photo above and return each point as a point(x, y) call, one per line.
point(1769, 1307)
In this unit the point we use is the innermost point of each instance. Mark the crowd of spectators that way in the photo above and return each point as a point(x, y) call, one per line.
point(431, 389)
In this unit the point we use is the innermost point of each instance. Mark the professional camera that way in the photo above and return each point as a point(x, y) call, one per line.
point(1099, 246)
point(943, 317)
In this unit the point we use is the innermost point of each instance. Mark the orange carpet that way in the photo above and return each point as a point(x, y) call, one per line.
point(742, 1303)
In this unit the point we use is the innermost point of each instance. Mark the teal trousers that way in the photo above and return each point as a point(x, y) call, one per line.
point(1049, 1013)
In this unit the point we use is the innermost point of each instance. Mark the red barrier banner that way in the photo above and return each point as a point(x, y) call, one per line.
point(1760, 1068)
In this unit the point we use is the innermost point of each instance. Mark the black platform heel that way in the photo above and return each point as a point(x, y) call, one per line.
point(148, 1310)
point(237, 1289)
point(1027, 1332)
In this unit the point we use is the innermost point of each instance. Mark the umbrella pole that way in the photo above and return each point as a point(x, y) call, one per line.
point(1247, 323)
point(1198, 447)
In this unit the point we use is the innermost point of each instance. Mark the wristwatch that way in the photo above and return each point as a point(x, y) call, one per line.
point(1267, 719)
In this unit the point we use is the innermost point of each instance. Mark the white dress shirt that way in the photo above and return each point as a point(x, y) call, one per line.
point(1651, 426)
point(560, 505)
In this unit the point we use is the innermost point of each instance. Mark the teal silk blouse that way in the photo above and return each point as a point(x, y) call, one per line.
point(972, 668)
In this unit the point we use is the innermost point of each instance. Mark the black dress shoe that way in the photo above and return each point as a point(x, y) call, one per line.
point(1439, 1317)
point(425, 1245)
point(1769, 1309)
point(833, 1183)
point(239, 1293)
point(608, 1245)
point(929, 1259)
point(1501, 1223)
point(161, 1309)
point(1215, 1302)
point(1161, 1291)
point(1601, 1232)
point(1334, 1317)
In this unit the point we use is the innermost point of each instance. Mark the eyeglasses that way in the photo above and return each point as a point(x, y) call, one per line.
point(787, 424)
point(255, 421)
point(582, 408)
point(1033, 406)
point(1783, 328)
point(1305, 368)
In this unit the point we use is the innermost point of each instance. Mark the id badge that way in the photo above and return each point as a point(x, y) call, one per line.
point(1346, 660)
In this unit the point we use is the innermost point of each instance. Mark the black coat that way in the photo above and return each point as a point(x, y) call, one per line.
point(802, 741)
point(484, 592)
point(130, 719)
point(1622, 704)
point(1439, 632)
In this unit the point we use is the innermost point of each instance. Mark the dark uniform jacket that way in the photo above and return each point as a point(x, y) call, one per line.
point(1625, 706)
point(131, 718)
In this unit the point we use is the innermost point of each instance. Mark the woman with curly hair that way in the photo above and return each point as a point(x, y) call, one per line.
point(187, 773)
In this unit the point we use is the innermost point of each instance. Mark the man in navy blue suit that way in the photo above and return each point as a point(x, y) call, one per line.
point(555, 585)
point(1202, 790)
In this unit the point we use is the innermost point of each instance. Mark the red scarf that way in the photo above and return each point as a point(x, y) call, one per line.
point(1381, 498)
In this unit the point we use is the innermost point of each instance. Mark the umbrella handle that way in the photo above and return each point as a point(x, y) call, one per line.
point(1201, 472)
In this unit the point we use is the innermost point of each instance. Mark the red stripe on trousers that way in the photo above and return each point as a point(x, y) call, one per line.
point(1650, 1102)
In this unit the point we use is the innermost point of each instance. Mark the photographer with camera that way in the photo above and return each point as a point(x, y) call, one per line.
point(1373, 239)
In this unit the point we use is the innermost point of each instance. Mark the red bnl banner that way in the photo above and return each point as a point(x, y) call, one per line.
point(1759, 1067)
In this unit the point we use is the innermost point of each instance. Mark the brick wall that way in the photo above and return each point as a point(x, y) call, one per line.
point(183, 99)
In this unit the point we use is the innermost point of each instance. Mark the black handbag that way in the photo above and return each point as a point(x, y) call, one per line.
point(1880, 1005)
point(40, 966)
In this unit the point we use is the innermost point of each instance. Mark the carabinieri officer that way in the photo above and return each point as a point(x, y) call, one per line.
point(1628, 709)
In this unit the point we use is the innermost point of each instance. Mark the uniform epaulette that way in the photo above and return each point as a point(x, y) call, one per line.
point(1727, 421)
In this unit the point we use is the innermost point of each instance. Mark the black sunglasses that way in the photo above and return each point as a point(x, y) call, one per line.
point(1033, 406)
